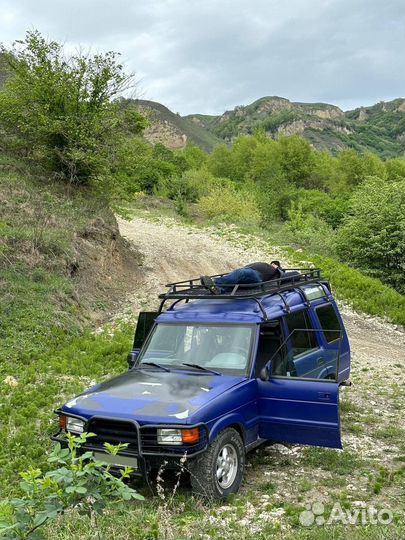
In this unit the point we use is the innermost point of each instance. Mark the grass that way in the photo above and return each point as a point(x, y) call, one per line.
point(364, 294)
point(43, 382)
point(390, 432)
point(338, 461)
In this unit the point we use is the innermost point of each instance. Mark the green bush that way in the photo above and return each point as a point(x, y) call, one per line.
point(372, 237)
point(331, 208)
point(230, 204)
point(80, 481)
point(364, 293)
point(303, 229)
point(58, 110)
point(191, 185)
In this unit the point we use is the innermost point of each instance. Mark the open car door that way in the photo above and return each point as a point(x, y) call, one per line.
point(145, 322)
point(299, 403)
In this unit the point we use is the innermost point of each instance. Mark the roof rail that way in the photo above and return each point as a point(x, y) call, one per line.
point(192, 289)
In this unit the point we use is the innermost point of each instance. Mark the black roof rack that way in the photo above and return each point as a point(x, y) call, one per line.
point(192, 289)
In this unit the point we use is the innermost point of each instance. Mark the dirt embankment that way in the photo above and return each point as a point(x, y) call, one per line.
point(103, 268)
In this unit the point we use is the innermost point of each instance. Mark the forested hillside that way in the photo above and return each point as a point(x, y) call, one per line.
point(379, 128)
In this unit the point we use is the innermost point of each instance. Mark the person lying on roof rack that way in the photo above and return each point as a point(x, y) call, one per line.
point(249, 274)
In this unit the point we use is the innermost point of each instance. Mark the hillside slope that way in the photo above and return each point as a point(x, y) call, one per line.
point(63, 263)
point(172, 130)
point(380, 128)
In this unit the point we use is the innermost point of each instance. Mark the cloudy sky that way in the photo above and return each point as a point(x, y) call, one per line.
point(207, 56)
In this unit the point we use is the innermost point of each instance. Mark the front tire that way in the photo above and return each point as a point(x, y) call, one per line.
point(219, 471)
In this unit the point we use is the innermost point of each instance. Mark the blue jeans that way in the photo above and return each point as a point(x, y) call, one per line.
point(241, 275)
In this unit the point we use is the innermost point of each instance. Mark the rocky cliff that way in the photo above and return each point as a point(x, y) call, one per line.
point(379, 128)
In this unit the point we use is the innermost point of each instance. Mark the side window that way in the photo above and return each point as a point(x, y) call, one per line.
point(306, 360)
point(269, 348)
point(329, 322)
point(302, 340)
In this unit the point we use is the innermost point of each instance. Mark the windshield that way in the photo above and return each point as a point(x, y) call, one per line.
point(225, 349)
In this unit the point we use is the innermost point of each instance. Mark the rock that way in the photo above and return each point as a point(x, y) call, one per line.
point(11, 381)
point(278, 448)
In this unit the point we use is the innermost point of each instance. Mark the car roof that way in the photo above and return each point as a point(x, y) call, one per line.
point(235, 310)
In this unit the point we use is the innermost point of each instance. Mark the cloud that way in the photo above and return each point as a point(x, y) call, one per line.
point(209, 56)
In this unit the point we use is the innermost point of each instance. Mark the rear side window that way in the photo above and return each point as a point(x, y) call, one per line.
point(329, 322)
point(301, 339)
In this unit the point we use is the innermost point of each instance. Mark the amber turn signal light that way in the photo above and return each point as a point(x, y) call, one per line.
point(190, 436)
point(62, 421)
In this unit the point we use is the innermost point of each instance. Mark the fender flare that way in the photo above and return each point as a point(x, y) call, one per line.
point(227, 421)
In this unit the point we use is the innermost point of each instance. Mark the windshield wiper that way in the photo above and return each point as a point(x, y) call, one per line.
point(201, 367)
point(155, 364)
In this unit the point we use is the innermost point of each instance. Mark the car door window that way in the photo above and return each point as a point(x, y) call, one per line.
point(329, 322)
point(306, 360)
point(302, 338)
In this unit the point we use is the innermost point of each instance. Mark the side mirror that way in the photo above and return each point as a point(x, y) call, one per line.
point(265, 372)
point(132, 357)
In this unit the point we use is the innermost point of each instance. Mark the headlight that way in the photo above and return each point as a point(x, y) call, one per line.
point(178, 436)
point(69, 423)
point(169, 436)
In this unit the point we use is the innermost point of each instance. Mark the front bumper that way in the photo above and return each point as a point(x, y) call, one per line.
point(141, 440)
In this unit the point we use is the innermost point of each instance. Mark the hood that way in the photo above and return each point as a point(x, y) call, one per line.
point(151, 396)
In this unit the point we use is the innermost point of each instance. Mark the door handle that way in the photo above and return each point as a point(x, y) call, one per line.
point(324, 396)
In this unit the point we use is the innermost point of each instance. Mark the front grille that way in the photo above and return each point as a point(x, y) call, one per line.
point(119, 431)
point(113, 432)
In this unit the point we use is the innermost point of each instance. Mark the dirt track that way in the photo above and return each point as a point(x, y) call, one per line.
point(174, 252)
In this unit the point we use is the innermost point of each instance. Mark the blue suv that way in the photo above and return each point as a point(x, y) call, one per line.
point(214, 376)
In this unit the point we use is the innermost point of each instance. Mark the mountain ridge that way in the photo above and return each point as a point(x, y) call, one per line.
point(378, 128)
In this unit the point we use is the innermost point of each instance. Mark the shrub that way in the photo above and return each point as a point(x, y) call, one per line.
point(231, 204)
point(373, 235)
point(58, 110)
point(329, 208)
point(303, 229)
point(191, 185)
point(80, 481)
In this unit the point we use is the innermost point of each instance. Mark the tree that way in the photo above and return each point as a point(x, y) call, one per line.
point(395, 169)
point(297, 160)
point(373, 235)
point(62, 112)
point(220, 162)
point(267, 173)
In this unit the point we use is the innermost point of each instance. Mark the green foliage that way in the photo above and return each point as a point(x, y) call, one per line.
point(191, 185)
point(267, 173)
point(57, 110)
point(220, 162)
point(373, 234)
point(304, 229)
point(80, 481)
point(395, 169)
point(231, 204)
point(297, 161)
point(139, 166)
point(330, 208)
point(194, 156)
point(364, 293)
